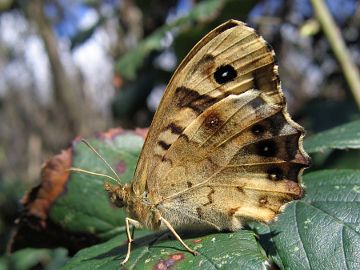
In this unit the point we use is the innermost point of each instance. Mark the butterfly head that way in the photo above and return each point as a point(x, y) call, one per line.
point(118, 194)
point(138, 207)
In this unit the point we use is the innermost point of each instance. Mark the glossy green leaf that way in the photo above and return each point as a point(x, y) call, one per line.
point(319, 232)
point(84, 205)
point(322, 231)
point(223, 250)
point(341, 137)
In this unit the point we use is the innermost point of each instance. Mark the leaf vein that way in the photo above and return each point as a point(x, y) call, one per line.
point(297, 229)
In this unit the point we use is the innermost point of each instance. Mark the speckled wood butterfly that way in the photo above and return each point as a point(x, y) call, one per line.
point(222, 149)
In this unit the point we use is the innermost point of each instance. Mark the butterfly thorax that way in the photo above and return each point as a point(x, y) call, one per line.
point(139, 208)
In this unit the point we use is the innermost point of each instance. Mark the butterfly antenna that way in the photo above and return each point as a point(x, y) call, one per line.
point(106, 163)
point(73, 169)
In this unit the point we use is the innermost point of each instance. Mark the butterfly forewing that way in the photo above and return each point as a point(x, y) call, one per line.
point(221, 141)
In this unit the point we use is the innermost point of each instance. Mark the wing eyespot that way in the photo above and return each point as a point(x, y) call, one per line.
point(212, 121)
point(275, 173)
point(267, 148)
point(263, 200)
point(224, 74)
point(257, 130)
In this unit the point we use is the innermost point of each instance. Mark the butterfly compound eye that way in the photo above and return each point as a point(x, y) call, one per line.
point(225, 74)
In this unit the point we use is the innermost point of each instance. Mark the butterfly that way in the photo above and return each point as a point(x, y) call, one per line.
point(222, 148)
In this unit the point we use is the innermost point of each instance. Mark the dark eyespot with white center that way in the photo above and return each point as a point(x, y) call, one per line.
point(212, 121)
point(267, 148)
point(257, 130)
point(225, 74)
point(275, 173)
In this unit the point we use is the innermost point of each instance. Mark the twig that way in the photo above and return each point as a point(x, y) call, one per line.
point(337, 43)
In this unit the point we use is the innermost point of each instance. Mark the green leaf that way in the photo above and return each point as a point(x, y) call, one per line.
point(322, 231)
point(84, 206)
point(132, 60)
point(341, 137)
point(223, 250)
point(319, 232)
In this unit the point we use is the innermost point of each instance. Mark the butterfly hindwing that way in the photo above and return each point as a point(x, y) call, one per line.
point(252, 168)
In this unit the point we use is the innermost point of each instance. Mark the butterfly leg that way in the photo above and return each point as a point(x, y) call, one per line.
point(136, 224)
point(168, 225)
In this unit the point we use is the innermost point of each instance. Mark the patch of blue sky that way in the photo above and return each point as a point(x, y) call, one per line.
point(70, 19)
point(341, 10)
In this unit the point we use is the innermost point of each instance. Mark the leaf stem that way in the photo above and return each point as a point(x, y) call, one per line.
point(337, 43)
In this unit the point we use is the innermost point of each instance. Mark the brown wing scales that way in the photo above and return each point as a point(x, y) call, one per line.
point(230, 43)
point(221, 131)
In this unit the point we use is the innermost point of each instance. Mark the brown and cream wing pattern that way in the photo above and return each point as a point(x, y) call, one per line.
point(240, 159)
point(222, 112)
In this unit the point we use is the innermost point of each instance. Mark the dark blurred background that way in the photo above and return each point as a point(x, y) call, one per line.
point(70, 68)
